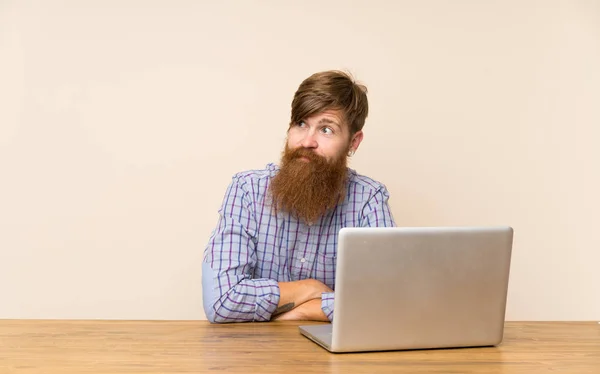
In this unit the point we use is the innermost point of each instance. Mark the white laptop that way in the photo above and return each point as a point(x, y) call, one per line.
point(418, 288)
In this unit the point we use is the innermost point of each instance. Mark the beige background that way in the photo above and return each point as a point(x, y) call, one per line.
point(122, 122)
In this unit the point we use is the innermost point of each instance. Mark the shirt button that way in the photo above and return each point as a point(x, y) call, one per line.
point(302, 260)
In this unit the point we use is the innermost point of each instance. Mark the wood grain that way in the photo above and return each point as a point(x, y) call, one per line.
point(96, 347)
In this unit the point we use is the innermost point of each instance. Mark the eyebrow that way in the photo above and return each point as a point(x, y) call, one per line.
point(329, 121)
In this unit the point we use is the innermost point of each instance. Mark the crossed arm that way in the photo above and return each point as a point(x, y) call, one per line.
point(261, 299)
point(300, 300)
point(231, 294)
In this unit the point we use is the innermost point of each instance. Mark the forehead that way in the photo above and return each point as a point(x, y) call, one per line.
point(329, 116)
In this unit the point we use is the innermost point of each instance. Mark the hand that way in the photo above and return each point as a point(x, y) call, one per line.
point(309, 311)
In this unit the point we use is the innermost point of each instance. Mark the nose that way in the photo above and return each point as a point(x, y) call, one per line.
point(309, 140)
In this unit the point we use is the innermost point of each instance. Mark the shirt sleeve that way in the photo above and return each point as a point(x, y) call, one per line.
point(228, 290)
point(376, 213)
point(327, 304)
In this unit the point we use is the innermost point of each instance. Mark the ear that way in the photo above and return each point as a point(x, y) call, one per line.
point(355, 141)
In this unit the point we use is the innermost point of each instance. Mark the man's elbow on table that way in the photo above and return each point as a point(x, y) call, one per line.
point(213, 317)
point(209, 300)
point(216, 314)
point(234, 305)
point(210, 314)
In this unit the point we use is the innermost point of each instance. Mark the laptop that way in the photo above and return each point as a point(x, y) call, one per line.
point(401, 288)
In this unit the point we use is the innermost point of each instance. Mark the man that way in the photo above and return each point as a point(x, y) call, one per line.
point(272, 255)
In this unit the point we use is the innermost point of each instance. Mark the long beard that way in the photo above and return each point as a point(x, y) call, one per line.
point(308, 190)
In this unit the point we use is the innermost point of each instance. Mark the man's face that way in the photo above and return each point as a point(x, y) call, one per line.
point(312, 177)
point(325, 134)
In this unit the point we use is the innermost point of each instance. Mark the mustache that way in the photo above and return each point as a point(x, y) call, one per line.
point(304, 152)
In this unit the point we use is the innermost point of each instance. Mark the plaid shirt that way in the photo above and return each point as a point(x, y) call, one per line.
point(252, 249)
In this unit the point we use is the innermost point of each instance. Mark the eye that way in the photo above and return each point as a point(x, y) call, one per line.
point(301, 124)
point(327, 130)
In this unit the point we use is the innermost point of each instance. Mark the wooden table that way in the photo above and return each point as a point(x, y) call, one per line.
point(67, 347)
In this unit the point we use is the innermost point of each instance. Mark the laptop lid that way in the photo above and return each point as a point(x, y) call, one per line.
point(413, 288)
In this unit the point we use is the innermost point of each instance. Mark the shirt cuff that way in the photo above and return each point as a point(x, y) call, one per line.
point(267, 299)
point(327, 304)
